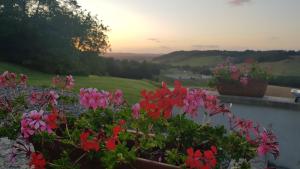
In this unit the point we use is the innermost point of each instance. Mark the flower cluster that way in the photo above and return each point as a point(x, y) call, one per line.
point(42, 98)
point(111, 142)
point(92, 98)
point(37, 161)
point(249, 70)
point(66, 83)
point(88, 142)
point(265, 140)
point(33, 122)
point(161, 102)
point(268, 143)
point(135, 109)
point(117, 97)
point(9, 79)
point(198, 160)
point(197, 98)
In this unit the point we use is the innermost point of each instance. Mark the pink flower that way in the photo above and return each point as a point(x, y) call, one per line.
point(136, 110)
point(233, 69)
point(118, 97)
point(53, 96)
point(36, 120)
point(26, 130)
point(42, 98)
point(8, 79)
point(23, 79)
point(92, 98)
point(268, 144)
point(193, 101)
point(244, 80)
point(69, 82)
point(33, 122)
point(234, 73)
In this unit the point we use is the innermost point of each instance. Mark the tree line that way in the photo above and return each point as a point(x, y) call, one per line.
point(58, 36)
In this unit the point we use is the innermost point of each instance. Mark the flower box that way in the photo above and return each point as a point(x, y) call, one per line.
point(86, 163)
point(254, 88)
point(100, 137)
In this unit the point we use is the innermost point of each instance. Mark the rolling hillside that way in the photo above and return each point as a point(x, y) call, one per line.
point(282, 63)
point(131, 88)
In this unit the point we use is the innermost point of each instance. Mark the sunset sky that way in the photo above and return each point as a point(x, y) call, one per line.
point(161, 26)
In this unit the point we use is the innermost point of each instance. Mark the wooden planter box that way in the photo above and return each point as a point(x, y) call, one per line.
point(254, 88)
point(85, 163)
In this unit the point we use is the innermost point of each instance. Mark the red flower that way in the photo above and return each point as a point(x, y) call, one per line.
point(199, 160)
point(116, 130)
point(122, 122)
point(160, 103)
point(89, 144)
point(111, 144)
point(52, 118)
point(37, 161)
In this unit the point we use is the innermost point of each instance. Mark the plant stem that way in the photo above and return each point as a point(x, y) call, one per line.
point(79, 158)
point(67, 129)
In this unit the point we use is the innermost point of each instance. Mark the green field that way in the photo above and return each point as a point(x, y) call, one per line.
point(131, 88)
point(194, 61)
point(287, 67)
point(198, 61)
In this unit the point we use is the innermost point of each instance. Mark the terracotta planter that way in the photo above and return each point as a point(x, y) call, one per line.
point(254, 88)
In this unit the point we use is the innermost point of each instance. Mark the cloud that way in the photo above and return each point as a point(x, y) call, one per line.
point(239, 2)
point(154, 40)
point(206, 47)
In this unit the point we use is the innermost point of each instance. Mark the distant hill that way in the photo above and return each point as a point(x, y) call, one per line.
point(133, 56)
point(198, 58)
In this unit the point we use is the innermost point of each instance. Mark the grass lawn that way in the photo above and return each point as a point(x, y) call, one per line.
point(131, 88)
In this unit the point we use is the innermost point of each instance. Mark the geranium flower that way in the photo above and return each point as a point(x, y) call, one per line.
point(118, 98)
point(111, 144)
point(23, 79)
point(37, 121)
point(234, 73)
point(51, 120)
point(91, 98)
point(8, 79)
point(34, 121)
point(161, 102)
point(88, 143)
point(53, 96)
point(135, 109)
point(193, 101)
point(268, 144)
point(42, 98)
point(198, 160)
point(37, 161)
point(26, 130)
point(70, 82)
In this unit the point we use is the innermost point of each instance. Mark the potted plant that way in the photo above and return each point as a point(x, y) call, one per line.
point(113, 134)
point(248, 79)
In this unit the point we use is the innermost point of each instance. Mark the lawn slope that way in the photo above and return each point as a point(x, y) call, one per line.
point(130, 87)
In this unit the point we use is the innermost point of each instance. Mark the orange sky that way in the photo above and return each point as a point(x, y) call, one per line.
point(160, 26)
